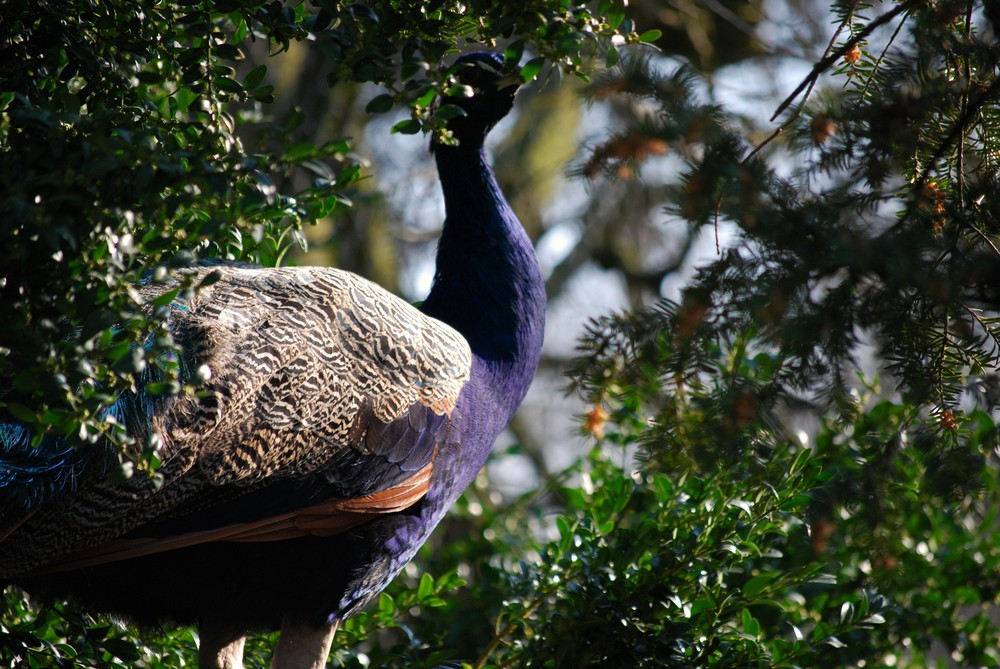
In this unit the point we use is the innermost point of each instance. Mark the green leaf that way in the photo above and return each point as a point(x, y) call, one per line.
point(846, 612)
point(801, 458)
point(123, 650)
point(756, 585)
point(616, 14)
point(750, 624)
point(317, 167)
point(335, 148)
point(165, 298)
point(408, 126)
point(650, 35)
point(574, 498)
point(264, 94)
point(424, 98)
point(98, 633)
point(447, 112)
point(210, 278)
point(460, 91)
point(380, 104)
point(426, 587)
point(21, 412)
point(612, 57)
point(409, 68)
point(98, 321)
point(228, 85)
point(565, 534)
point(132, 361)
point(229, 52)
point(348, 175)
point(512, 54)
point(254, 77)
point(797, 502)
point(300, 150)
point(163, 388)
point(241, 28)
point(740, 504)
point(531, 69)
point(386, 606)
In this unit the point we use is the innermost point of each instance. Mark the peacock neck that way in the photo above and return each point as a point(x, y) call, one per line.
point(488, 285)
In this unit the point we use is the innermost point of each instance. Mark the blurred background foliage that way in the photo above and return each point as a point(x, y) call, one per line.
point(779, 332)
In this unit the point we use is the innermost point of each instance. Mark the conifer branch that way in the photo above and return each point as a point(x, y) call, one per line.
point(824, 64)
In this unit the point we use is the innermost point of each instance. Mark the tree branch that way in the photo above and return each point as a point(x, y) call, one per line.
point(824, 64)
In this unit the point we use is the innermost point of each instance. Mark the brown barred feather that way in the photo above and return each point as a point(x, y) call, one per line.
point(301, 360)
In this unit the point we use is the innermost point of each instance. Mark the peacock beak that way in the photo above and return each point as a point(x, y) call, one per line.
point(503, 83)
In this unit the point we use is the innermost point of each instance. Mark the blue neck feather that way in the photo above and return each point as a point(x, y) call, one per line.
point(488, 285)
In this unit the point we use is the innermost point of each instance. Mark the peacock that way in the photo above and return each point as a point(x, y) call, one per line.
point(334, 426)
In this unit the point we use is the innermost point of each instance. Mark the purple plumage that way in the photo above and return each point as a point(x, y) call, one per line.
point(338, 427)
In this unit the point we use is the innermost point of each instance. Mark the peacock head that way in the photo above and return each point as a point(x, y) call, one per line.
point(493, 87)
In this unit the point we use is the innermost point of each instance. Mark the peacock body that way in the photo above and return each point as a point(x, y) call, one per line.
point(335, 427)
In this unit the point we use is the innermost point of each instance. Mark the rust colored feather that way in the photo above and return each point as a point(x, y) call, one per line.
point(319, 520)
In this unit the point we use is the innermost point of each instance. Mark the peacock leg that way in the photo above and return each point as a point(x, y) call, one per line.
point(303, 646)
point(221, 647)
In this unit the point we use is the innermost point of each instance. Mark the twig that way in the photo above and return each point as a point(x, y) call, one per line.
point(825, 63)
point(501, 634)
point(881, 57)
point(777, 131)
point(957, 130)
point(791, 119)
point(990, 333)
point(960, 158)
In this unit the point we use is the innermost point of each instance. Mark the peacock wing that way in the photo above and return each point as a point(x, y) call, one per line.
point(308, 361)
point(326, 401)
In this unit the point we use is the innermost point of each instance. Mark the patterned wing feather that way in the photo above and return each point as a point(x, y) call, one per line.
point(324, 389)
